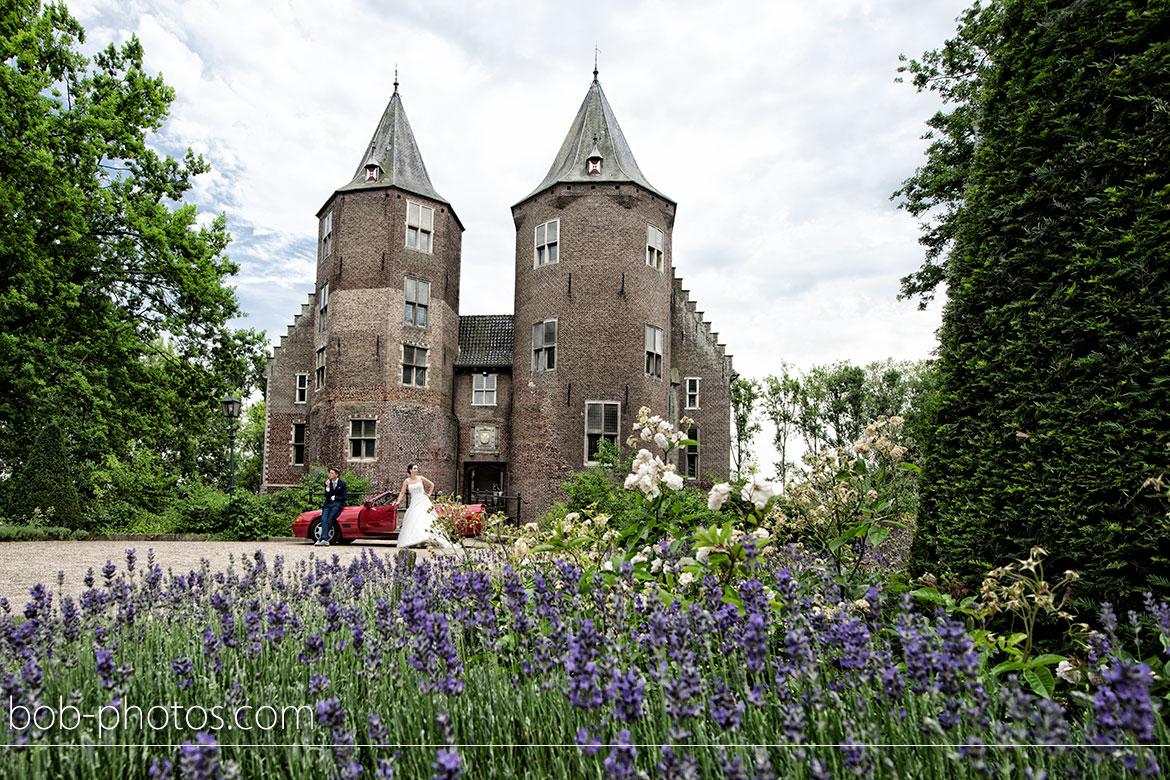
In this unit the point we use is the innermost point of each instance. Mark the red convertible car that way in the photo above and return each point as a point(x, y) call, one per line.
point(377, 518)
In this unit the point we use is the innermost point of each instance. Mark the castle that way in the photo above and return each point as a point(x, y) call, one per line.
point(380, 370)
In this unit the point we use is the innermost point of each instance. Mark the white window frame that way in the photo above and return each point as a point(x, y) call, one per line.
point(293, 443)
point(600, 426)
point(417, 304)
point(327, 234)
point(541, 349)
point(319, 374)
point(546, 250)
point(691, 451)
point(655, 247)
point(483, 388)
point(301, 389)
point(420, 227)
point(692, 381)
point(415, 367)
point(368, 439)
point(323, 307)
point(654, 351)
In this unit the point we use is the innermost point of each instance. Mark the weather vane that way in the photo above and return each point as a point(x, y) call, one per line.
point(595, 53)
point(396, 78)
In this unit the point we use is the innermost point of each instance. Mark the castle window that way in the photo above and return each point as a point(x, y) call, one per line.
point(692, 392)
point(363, 438)
point(655, 241)
point(544, 346)
point(302, 390)
point(298, 444)
point(418, 300)
point(322, 307)
point(320, 369)
point(547, 243)
point(327, 234)
point(602, 420)
point(654, 351)
point(414, 366)
point(691, 454)
point(483, 390)
point(420, 222)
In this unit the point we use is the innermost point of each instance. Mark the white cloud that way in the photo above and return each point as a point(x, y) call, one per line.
point(777, 127)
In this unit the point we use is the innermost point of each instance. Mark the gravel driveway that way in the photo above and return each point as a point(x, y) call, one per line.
point(24, 564)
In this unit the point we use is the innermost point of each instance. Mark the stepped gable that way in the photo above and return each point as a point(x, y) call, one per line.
point(700, 326)
point(485, 341)
point(306, 309)
point(392, 158)
point(595, 133)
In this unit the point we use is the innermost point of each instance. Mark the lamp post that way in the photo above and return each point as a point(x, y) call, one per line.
point(230, 406)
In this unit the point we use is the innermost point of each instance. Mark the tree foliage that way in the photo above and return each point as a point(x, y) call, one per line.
point(745, 393)
point(45, 493)
point(113, 302)
point(1048, 190)
point(829, 406)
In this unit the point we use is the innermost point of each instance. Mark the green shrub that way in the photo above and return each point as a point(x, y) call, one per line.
point(45, 533)
point(46, 483)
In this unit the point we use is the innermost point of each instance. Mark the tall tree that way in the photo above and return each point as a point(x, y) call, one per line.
point(744, 395)
point(113, 301)
point(781, 405)
point(1047, 199)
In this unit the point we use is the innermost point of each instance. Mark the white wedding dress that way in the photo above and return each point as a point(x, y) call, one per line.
point(417, 525)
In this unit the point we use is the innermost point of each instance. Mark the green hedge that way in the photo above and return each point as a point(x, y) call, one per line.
point(1054, 358)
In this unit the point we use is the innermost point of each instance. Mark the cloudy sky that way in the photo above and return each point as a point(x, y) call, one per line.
point(776, 126)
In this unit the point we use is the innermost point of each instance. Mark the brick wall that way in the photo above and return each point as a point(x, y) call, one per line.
point(603, 294)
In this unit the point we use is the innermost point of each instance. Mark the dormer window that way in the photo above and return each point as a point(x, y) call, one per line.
point(593, 161)
point(371, 172)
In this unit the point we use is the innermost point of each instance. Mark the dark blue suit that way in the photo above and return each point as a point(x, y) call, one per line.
point(335, 494)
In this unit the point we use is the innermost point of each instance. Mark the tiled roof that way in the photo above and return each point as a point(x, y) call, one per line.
point(485, 341)
point(394, 151)
point(595, 130)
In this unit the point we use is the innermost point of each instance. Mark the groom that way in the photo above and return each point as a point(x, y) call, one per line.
point(335, 495)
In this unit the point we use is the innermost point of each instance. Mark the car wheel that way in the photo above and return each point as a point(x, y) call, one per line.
point(314, 531)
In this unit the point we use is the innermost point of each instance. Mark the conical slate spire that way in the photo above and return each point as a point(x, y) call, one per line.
point(392, 157)
point(595, 132)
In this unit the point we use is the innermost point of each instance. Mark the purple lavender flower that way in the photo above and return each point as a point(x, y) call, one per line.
point(1122, 704)
point(317, 684)
point(183, 669)
point(200, 760)
point(162, 769)
point(732, 768)
point(725, 709)
point(671, 767)
point(378, 733)
point(620, 761)
point(448, 764)
point(588, 743)
point(626, 693)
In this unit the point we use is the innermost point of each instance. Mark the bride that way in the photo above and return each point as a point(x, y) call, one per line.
point(416, 526)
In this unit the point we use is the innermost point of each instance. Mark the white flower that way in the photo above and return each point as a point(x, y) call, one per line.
point(656, 565)
point(761, 533)
point(601, 520)
point(703, 553)
point(661, 440)
point(1067, 672)
point(531, 528)
point(686, 578)
point(572, 517)
point(718, 495)
point(607, 566)
point(647, 434)
point(758, 491)
point(673, 481)
point(631, 481)
point(639, 558)
point(687, 561)
point(896, 420)
point(521, 549)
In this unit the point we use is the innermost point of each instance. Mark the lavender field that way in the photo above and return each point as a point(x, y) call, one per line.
point(466, 667)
